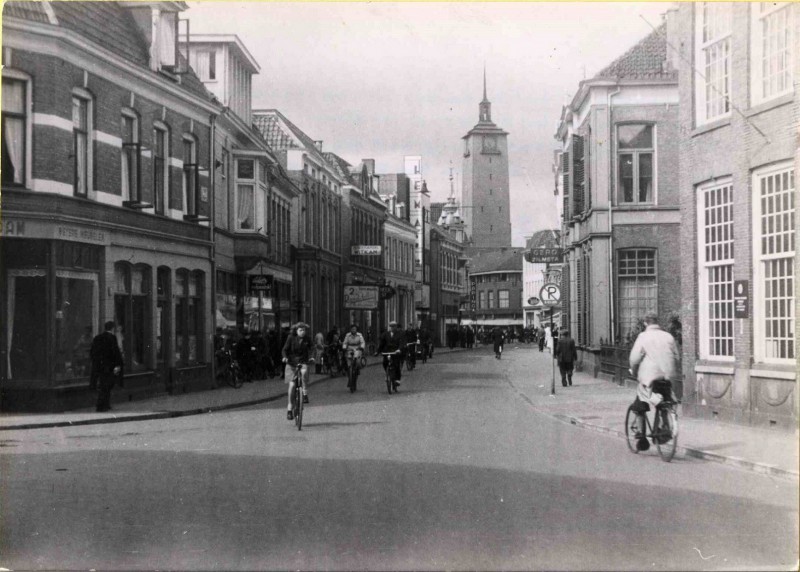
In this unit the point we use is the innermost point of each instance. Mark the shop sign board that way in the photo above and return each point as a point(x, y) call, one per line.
point(365, 250)
point(261, 283)
point(357, 297)
point(544, 255)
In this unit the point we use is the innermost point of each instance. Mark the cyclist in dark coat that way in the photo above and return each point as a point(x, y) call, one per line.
point(498, 338)
point(298, 351)
point(392, 341)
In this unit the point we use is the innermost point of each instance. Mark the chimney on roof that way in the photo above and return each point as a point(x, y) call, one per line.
point(318, 145)
point(370, 164)
point(671, 34)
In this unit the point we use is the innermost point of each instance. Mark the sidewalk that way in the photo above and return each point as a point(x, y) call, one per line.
point(600, 405)
point(590, 403)
point(167, 406)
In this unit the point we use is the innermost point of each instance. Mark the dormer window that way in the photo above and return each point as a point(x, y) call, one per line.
point(205, 64)
point(167, 45)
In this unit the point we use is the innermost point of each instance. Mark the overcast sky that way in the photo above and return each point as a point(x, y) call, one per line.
point(385, 80)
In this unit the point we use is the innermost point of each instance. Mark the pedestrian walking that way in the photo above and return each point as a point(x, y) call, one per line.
point(106, 364)
point(498, 338)
point(566, 356)
point(319, 350)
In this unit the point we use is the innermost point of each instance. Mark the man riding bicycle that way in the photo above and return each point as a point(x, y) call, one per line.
point(654, 361)
point(297, 352)
point(354, 342)
point(392, 341)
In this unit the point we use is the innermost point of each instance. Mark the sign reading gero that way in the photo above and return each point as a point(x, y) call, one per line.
point(544, 255)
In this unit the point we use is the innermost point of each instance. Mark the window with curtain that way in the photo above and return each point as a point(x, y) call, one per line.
point(160, 170)
point(130, 152)
point(15, 118)
point(715, 234)
point(635, 153)
point(775, 264)
point(713, 60)
point(245, 211)
point(80, 144)
point(638, 288)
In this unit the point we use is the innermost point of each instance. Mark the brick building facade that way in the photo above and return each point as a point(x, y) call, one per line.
point(106, 151)
point(621, 214)
point(739, 141)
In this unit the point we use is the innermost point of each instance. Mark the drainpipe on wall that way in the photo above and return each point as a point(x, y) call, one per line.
point(611, 282)
point(213, 250)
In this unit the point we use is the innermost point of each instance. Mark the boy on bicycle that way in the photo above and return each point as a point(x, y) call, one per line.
point(354, 342)
point(654, 361)
point(297, 352)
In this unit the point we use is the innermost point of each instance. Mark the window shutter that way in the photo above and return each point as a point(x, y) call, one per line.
point(565, 297)
point(587, 162)
point(577, 174)
point(565, 171)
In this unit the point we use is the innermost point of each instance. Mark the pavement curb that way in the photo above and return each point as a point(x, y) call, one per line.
point(171, 414)
point(752, 466)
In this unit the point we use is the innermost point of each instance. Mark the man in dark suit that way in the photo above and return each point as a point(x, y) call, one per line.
point(106, 364)
point(566, 354)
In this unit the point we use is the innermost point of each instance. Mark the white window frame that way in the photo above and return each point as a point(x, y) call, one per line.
point(721, 40)
point(16, 75)
point(705, 266)
point(161, 129)
point(760, 13)
point(759, 291)
point(126, 187)
point(88, 99)
point(246, 182)
point(190, 167)
point(652, 150)
point(500, 301)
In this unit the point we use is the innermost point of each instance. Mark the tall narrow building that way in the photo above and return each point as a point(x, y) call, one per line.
point(485, 197)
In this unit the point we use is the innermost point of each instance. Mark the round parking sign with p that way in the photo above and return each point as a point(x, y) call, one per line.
point(550, 294)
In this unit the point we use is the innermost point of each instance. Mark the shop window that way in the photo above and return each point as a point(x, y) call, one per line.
point(131, 304)
point(163, 292)
point(14, 130)
point(24, 263)
point(188, 317)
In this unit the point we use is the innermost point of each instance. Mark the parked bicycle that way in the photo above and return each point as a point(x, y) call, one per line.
point(663, 431)
point(228, 368)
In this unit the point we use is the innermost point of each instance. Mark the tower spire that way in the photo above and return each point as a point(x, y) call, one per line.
point(485, 107)
point(452, 188)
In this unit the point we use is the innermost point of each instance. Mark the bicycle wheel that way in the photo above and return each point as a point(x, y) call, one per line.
point(237, 379)
point(665, 432)
point(389, 375)
point(631, 428)
point(351, 378)
point(298, 405)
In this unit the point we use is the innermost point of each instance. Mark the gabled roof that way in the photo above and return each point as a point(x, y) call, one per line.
point(341, 167)
point(109, 25)
point(496, 260)
point(544, 239)
point(282, 134)
point(645, 60)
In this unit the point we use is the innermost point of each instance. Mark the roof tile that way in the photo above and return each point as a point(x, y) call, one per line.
point(645, 60)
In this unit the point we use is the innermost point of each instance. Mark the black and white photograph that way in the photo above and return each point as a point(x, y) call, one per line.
point(391, 286)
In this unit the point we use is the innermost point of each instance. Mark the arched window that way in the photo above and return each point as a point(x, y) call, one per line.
point(161, 167)
point(191, 176)
point(130, 153)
